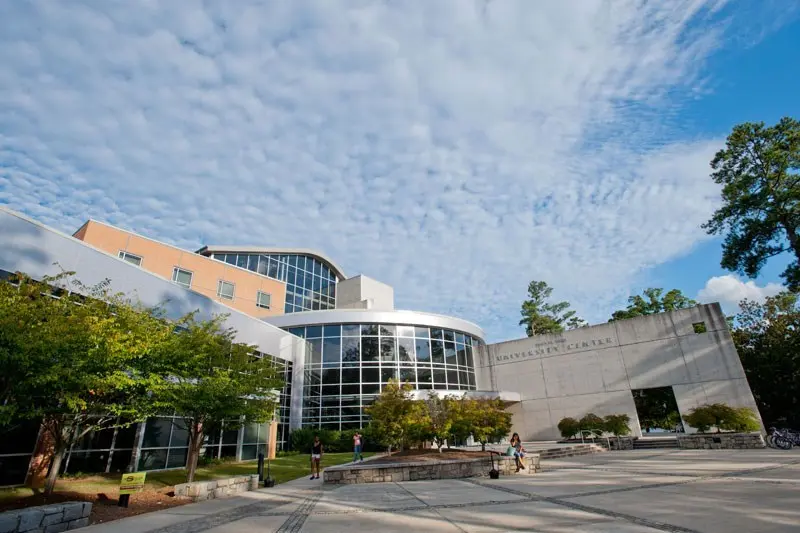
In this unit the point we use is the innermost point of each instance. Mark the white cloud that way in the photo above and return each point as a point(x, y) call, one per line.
point(455, 150)
point(729, 290)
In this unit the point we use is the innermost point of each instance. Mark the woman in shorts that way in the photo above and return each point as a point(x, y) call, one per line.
point(316, 457)
point(519, 451)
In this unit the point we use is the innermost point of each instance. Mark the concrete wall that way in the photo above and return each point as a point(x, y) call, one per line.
point(362, 292)
point(52, 518)
point(594, 369)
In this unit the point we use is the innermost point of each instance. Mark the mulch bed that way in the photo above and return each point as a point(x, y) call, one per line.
point(104, 507)
point(431, 455)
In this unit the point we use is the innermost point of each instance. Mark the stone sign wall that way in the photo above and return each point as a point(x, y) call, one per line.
point(47, 518)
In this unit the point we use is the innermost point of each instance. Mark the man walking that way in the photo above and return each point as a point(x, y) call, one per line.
point(357, 447)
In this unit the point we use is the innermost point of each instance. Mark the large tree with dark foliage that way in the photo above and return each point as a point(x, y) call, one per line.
point(767, 337)
point(652, 302)
point(759, 170)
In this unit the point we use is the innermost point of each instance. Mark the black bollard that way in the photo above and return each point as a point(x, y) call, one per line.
point(260, 467)
point(124, 499)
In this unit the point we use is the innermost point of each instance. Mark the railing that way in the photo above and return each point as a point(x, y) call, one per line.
point(592, 434)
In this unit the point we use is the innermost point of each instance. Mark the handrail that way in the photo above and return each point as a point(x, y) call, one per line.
point(594, 433)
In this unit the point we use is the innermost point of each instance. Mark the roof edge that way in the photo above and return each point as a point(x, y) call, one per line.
point(209, 249)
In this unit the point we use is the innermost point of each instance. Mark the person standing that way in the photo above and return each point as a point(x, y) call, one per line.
point(316, 456)
point(357, 443)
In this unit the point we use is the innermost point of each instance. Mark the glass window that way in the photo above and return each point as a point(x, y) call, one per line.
point(437, 334)
point(452, 379)
point(313, 331)
point(317, 268)
point(370, 388)
point(230, 259)
point(369, 349)
point(252, 262)
point(333, 331)
point(471, 378)
point(439, 376)
point(300, 332)
point(424, 378)
point(130, 258)
point(290, 276)
point(292, 261)
point(437, 351)
point(316, 283)
point(405, 331)
point(332, 351)
point(273, 269)
point(462, 354)
point(423, 349)
point(369, 329)
point(263, 264)
point(353, 388)
point(449, 353)
point(405, 349)
point(460, 338)
point(351, 375)
point(241, 260)
point(462, 377)
point(350, 350)
point(225, 289)
point(182, 277)
point(449, 335)
point(387, 373)
point(388, 330)
point(422, 333)
point(316, 351)
point(408, 375)
point(470, 363)
point(388, 352)
point(156, 433)
point(350, 330)
point(370, 374)
point(263, 300)
point(330, 376)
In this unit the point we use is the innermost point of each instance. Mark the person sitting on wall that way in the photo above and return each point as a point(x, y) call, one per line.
point(519, 451)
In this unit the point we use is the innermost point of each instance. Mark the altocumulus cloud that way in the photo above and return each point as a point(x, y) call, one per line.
point(453, 149)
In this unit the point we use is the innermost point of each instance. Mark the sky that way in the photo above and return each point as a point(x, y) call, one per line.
point(454, 149)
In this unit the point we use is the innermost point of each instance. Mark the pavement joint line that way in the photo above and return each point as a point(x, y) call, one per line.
point(426, 504)
point(295, 522)
point(218, 519)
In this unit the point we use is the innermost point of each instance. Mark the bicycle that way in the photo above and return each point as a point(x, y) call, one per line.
point(784, 439)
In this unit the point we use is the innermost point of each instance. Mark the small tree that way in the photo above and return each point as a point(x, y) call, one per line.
point(392, 414)
point(488, 420)
point(440, 414)
point(78, 358)
point(617, 425)
point(592, 422)
point(569, 427)
point(214, 380)
point(723, 417)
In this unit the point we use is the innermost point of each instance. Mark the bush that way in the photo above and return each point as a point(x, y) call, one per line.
point(723, 417)
point(593, 422)
point(569, 427)
point(303, 439)
point(618, 425)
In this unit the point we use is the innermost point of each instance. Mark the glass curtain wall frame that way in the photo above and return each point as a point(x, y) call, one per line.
point(347, 366)
point(310, 284)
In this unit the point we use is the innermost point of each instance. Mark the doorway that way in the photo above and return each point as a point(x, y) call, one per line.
point(657, 410)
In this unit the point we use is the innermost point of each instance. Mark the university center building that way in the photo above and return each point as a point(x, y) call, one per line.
point(338, 340)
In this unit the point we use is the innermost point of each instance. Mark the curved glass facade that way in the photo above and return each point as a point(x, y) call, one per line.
point(347, 365)
point(310, 284)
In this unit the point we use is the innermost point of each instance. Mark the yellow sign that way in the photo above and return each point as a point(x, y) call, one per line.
point(132, 482)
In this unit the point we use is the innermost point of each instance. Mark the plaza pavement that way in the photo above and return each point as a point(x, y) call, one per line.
point(681, 491)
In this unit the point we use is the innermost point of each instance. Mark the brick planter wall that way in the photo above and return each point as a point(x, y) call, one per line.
point(377, 473)
point(46, 518)
point(219, 488)
point(719, 441)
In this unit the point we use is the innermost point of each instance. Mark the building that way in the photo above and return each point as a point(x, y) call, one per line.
point(339, 340)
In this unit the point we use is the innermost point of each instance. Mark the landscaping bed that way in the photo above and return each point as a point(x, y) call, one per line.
point(428, 455)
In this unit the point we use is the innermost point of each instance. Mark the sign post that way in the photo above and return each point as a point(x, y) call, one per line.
point(130, 483)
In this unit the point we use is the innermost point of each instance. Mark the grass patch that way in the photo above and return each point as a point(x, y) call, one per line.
point(282, 469)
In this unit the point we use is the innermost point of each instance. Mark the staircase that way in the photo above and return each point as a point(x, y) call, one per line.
point(656, 443)
point(570, 451)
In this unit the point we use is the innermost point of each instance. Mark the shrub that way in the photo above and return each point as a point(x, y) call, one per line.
point(303, 439)
point(569, 427)
point(723, 417)
point(593, 422)
point(618, 425)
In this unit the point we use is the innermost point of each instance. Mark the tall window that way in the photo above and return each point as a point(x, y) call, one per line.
point(225, 289)
point(263, 300)
point(182, 277)
point(130, 258)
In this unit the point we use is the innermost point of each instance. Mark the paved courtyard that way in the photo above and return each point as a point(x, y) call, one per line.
point(619, 492)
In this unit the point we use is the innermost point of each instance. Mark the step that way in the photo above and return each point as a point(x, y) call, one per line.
point(570, 451)
point(655, 444)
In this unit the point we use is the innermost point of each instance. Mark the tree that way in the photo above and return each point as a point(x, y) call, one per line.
point(78, 358)
point(215, 380)
point(440, 415)
point(767, 338)
point(569, 427)
point(617, 425)
point(723, 417)
point(759, 170)
point(540, 317)
point(392, 414)
point(651, 302)
point(486, 419)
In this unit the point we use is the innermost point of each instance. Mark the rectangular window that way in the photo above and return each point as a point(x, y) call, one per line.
point(130, 258)
point(225, 289)
point(182, 277)
point(263, 300)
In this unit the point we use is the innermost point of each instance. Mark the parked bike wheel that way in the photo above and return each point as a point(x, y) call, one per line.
point(770, 442)
point(783, 443)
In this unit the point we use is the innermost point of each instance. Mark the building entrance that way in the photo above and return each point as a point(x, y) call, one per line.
point(657, 410)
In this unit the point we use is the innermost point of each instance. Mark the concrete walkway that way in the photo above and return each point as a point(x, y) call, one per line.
point(680, 491)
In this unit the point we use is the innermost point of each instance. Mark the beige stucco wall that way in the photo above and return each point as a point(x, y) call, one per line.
point(161, 259)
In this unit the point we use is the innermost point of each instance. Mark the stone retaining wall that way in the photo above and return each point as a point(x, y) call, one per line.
point(719, 441)
point(452, 469)
point(219, 488)
point(46, 518)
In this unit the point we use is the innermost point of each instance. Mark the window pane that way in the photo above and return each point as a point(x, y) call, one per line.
point(370, 374)
point(351, 375)
point(273, 269)
point(156, 433)
point(230, 259)
point(241, 260)
point(463, 379)
point(439, 376)
point(460, 338)
point(450, 353)
point(369, 329)
point(252, 262)
point(332, 349)
point(423, 349)
point(263, 299)
point(462, 354)
point(388, 352)
point(387, 373)
point(350, 330)
point(369, 348)
point(263, 264)
point(437, 334)
point(316, 351)
point(424, 378)
point(313, 331)
point(422, 333)
point(449, 335)
point(437, 351)
point(408, 374)
point(300, 332)
point(225, 290)
point(452, 379)
point(405, 331)
point(350, 349)
point(388, 330)
point(333, 331)
point(405, 349)
point(470, 363)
